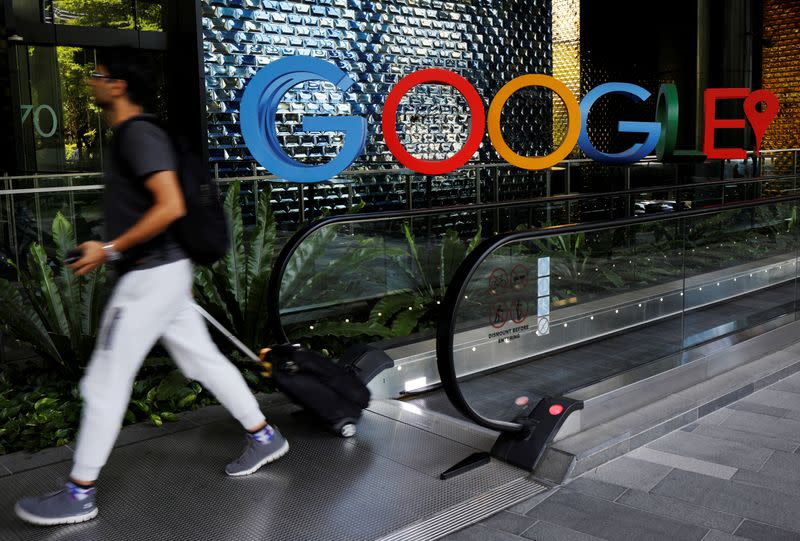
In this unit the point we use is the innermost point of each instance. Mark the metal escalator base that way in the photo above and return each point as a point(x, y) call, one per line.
point(382, 484)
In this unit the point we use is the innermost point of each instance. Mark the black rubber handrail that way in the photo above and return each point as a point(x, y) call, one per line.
point(294, 242)
point(445, 329)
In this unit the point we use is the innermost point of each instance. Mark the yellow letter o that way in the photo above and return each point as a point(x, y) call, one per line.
point(573, 119)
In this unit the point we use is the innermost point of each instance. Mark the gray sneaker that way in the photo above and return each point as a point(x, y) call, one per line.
point(69, 505)
point(256, 454)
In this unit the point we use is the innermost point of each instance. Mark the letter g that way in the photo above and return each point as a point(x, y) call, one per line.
point(259, 106)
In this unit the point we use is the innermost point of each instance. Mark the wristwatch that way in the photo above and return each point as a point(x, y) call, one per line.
point(111, 254)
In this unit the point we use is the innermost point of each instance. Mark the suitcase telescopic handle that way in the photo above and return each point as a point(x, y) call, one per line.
point(221, 328)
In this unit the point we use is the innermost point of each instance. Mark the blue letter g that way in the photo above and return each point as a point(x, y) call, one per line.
point(259, 106)
point(638, 150)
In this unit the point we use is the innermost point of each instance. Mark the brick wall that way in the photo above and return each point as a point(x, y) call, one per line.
point(781, 70)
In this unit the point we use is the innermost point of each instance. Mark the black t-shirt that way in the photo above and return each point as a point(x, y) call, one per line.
point(140, 149)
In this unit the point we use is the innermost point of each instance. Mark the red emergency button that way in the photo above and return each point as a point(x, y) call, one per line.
point(556, 409)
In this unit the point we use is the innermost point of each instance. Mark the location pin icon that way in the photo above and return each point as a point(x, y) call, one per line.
point(760, 120)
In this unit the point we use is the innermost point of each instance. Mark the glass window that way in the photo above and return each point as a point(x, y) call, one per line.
point(120, 14)
point(62, 129)
point(27, 10)
point(82, 127)
point(150, 15)
point(39, 110)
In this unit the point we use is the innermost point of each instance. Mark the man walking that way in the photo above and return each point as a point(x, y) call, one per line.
point(151, 301)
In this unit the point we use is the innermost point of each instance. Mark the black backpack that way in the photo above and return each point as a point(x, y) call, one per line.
point(203, 231)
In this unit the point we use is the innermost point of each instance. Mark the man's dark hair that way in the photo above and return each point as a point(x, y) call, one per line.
point(131, 66)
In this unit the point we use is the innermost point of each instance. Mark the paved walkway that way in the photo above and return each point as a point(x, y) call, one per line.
point(733, 475)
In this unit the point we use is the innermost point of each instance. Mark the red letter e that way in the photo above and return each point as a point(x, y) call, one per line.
point(712, 123)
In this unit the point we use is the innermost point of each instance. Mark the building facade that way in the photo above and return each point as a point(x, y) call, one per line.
point(206, 51)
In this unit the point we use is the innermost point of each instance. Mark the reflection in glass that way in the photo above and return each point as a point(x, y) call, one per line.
point(746, 258)
point(150, 15)
point(39, 111)
point(30, 215)
point(117, 14)
point(82, 129)
point(147, 15)
point(62, 130)
point(381, 279)
point(599, 283)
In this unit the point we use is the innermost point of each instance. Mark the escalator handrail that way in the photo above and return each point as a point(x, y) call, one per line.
point(445, 329)
point(294, 242)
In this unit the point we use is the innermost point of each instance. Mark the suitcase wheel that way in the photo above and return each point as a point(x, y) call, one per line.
point(347, 430)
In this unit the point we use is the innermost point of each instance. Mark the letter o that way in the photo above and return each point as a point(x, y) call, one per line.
point(389, 121)
point(573, 116)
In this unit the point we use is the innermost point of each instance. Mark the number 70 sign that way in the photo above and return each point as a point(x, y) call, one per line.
point(26, 111)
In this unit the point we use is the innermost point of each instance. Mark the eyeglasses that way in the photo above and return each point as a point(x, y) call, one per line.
point(95, 75)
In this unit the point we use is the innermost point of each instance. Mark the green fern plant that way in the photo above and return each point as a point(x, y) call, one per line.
point(314, 276)
point(428, 272)
point(234, 290)
point(56, 312)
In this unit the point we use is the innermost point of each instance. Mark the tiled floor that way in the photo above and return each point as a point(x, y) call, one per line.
point(732, 476)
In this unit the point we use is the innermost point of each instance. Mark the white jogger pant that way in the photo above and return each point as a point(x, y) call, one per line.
point(148, 305)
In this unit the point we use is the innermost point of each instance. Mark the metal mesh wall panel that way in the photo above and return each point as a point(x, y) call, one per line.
point(488, 42)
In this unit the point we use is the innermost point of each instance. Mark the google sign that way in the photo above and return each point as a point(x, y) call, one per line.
point(266, 89)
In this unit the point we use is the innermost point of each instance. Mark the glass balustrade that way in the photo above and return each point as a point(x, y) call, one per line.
point(552, 311)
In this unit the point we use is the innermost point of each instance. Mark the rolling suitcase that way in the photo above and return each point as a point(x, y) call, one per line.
point(334, 393)
point(330, 392)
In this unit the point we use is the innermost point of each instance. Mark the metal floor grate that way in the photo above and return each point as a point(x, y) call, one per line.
point(174, 488)
point(470, 512)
